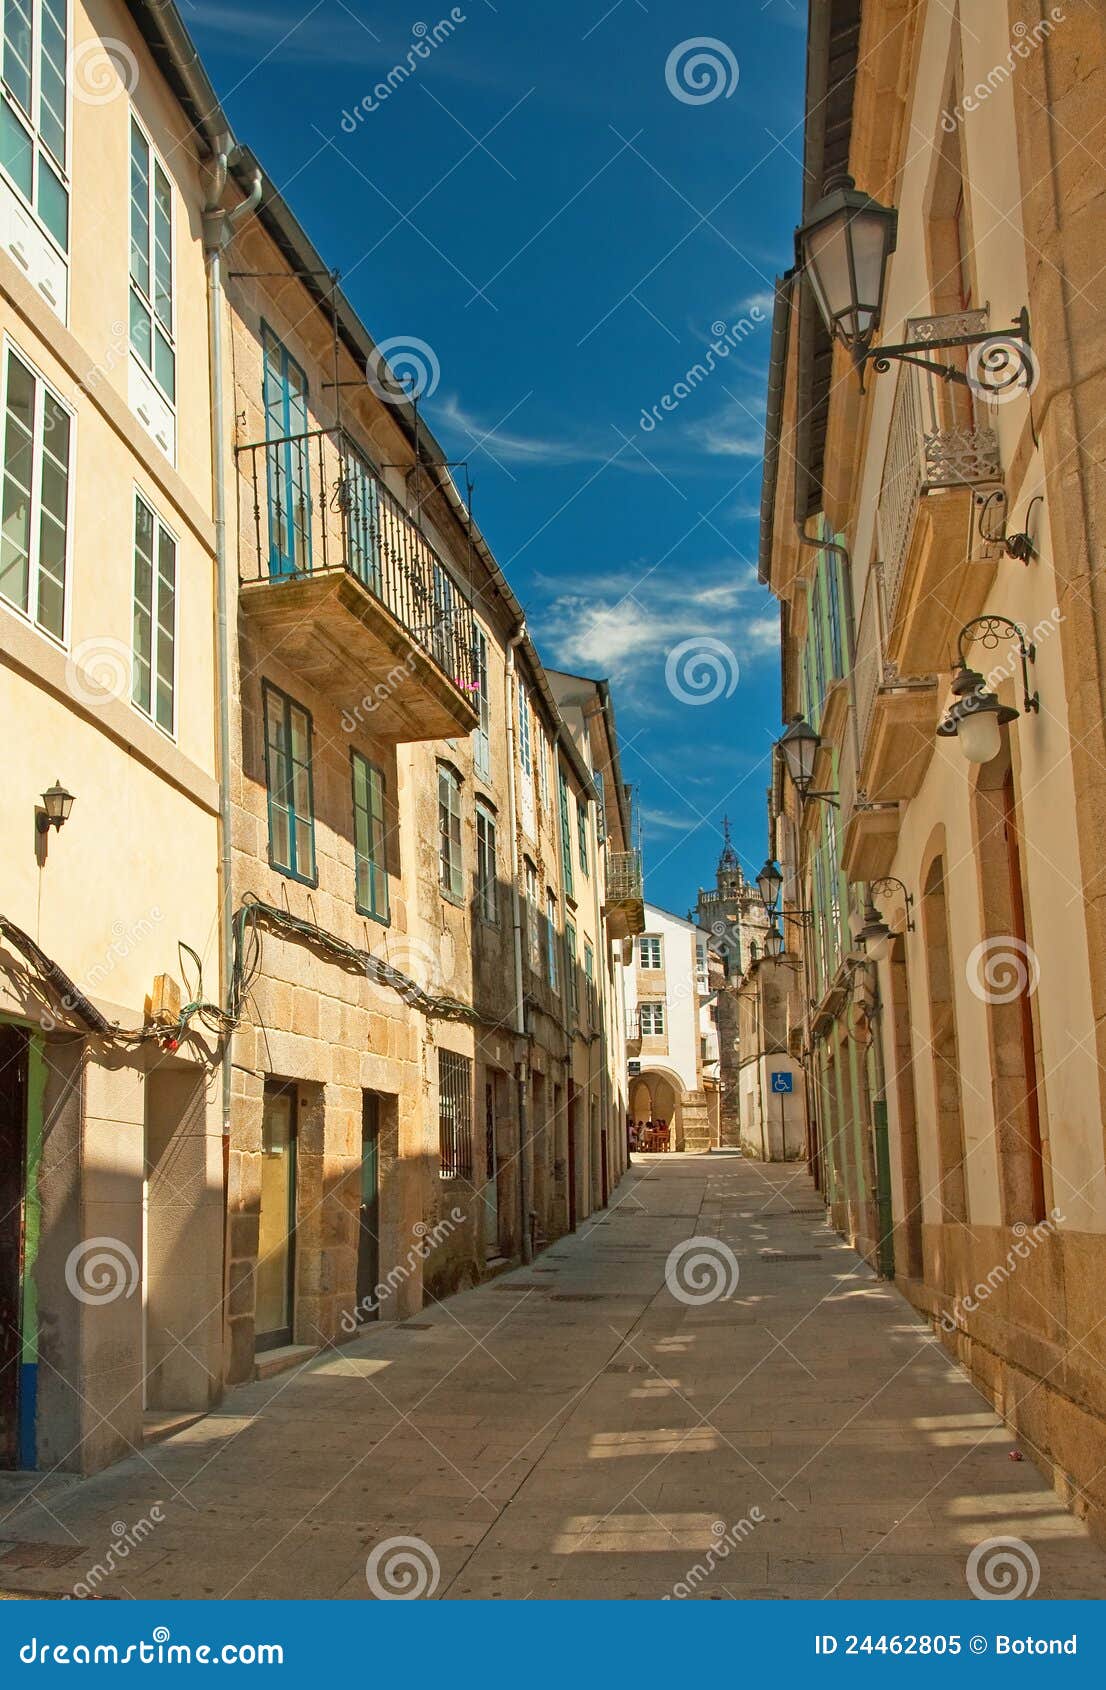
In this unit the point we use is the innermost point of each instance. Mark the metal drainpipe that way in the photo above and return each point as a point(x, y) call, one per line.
point(522, 1066)
point(219, 227)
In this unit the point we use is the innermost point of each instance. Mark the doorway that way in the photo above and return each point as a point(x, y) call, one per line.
point(368, 1233)
point(491, 1174)
point(573, 1106)
point(276, 1243)
point(13, 1152)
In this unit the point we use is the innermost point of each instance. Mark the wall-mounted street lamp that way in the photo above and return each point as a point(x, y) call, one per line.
point(844, 248)
point(770, 883)
point(56, 805)
point(975, 716)
point(773, 942)
point(875, 934)
point(53, 812)
point(800, 745)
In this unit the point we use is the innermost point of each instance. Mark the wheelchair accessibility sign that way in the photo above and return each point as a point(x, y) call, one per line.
point(783, 1083)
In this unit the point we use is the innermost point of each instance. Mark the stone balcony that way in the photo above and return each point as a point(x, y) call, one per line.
point(338, 580)
point(624, 903)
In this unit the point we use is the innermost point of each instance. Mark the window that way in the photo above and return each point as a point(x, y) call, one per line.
point(370, 861)
point(566, 837)
point(525, 755)
point(589, 975)
point(361, 497)
point(33, 109)
point(552, 971)
point(152, 265)
point(834, 595)
point(482, 751)
point(543, 771)
point(34, 521)
point(450, 874)
point(649, 950)
point(582, 834)
point(652, 1020)
point(533, 917)
point(485, 863)
point(155, 617)
point(573, 983)
point(284, 395)
point(454, 1116)
point(288, 772)
point(444, 633)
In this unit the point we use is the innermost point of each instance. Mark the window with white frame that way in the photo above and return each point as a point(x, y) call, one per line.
point(650, 953)
point(525, 755)
point(485, 863)
point(482, 745)
point(34, 110)
point(34, 509)
point(151, 309)
point(652, 1020)
point(154, 663)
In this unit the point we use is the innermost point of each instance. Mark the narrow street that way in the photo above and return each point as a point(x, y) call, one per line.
point(577, 1430)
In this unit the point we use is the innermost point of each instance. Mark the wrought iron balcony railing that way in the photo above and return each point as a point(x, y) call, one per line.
point(935, 441)
point(317, 508)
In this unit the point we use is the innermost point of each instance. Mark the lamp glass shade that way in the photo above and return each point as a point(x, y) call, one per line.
point(57, 803)
point(773, 942)
point(769, 882)
point(979, 735)
point(800, 747)
point(844, 250)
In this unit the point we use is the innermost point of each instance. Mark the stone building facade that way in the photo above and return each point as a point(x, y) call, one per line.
point(310, 1010)
point(974, 1015)
point(730, 917)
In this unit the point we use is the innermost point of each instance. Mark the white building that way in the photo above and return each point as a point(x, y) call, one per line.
point(663, 1037)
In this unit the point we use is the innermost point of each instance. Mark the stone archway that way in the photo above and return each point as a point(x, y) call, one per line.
point(657, 1093)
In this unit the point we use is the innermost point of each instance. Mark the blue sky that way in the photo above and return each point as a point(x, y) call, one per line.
point(539, 205)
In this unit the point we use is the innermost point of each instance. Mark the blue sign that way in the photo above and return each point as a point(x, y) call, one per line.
point(783, 1082)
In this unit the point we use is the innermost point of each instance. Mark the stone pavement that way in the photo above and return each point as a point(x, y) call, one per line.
point(583, 1429)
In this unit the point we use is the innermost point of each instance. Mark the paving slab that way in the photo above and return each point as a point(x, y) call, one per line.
point(592, 1431)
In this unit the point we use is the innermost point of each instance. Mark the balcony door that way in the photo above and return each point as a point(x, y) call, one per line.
point(276, 1244)
point(361, 512)
point(13, 1134)
point(368, 1234)
point(286, 457)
